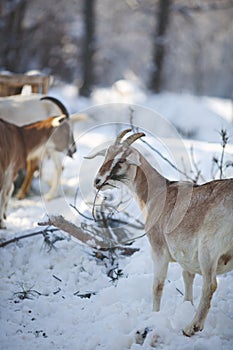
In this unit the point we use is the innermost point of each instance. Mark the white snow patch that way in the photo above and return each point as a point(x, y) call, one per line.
point(55, 317)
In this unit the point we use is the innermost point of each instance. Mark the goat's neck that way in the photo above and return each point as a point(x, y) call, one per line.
point(147, 180)
point(36, 134)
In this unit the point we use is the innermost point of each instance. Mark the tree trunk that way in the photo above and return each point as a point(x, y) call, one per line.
point(163, 19)
point(14, 37)
point(88, 47)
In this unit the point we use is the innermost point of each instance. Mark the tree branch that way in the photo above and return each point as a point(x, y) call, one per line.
point(135, 130)
point(67, 226)
point(212, 6)
point(25, 235)
point(61, 223)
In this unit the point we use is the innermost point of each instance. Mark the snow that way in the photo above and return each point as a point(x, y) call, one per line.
point(54, 316)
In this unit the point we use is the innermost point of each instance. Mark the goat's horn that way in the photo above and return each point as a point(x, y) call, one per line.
point(121, 135)
point(58, 103)
point(133, 138)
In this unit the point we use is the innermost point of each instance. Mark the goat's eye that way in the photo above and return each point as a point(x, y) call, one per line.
point(121, 161)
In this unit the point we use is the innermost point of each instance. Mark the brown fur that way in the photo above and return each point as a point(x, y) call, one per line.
point(17, 144)
point(12, 148)
point(22, 110)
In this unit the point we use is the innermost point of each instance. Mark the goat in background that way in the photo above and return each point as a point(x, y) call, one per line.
point(21, 144)
point(191, 225)
point(25, 109)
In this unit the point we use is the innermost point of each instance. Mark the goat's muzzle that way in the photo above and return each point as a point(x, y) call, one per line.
point(71, 150)
point(97, 183)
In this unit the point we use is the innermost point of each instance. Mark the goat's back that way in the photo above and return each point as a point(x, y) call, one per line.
point(202, 216)
point(25, 109)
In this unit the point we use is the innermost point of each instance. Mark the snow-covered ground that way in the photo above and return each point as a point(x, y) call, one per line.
point(54, 316)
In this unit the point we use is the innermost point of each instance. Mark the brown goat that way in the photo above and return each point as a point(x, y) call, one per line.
point(20, 144)
point(192, 225)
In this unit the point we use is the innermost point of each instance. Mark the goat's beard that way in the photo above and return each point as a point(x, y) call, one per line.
point(113, 182)
point(118, 177)
point(108, 185)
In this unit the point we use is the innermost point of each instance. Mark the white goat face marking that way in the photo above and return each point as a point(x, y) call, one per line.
point(111, 167)
point(58, 120)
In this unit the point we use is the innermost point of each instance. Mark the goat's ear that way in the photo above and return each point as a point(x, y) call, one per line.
point(58, 120)
point(78, 117)
point(133, 159)
point(99, 153)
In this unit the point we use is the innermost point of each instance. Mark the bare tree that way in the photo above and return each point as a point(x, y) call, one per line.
point(163, 19)
point(13, 34)
point(88, 47)
point(166, 9)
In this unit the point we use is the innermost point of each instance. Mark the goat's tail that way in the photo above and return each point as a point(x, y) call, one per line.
point(57, 103)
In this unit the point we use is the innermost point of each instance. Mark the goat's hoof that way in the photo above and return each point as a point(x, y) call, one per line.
point(20, 195)
point(192, 329)
point(141, 335)
point(2, 225)
point(48, 197)
point(188, 332)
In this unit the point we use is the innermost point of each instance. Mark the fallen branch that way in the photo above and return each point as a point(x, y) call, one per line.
point(25, 235)
point(61, 223)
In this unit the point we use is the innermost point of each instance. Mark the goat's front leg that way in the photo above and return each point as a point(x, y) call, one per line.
point(5, 195)
point(208, 268)
point(57, 175)
point(188, 278)
point(161, 262)
point(2, 208)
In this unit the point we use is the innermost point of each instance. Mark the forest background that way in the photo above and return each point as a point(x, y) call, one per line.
point(172, 45)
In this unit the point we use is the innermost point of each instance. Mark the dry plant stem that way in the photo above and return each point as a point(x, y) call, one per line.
point(220, 163)
point(93, 207)
point(198, 171)
point(135, 130)
point(140, 225)
point(224, 136)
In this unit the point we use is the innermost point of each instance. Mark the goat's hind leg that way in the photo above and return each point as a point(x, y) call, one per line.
point(32, 166)
point(188, 278)
point(208, 268)
point(57, 176)
point(161, 262)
